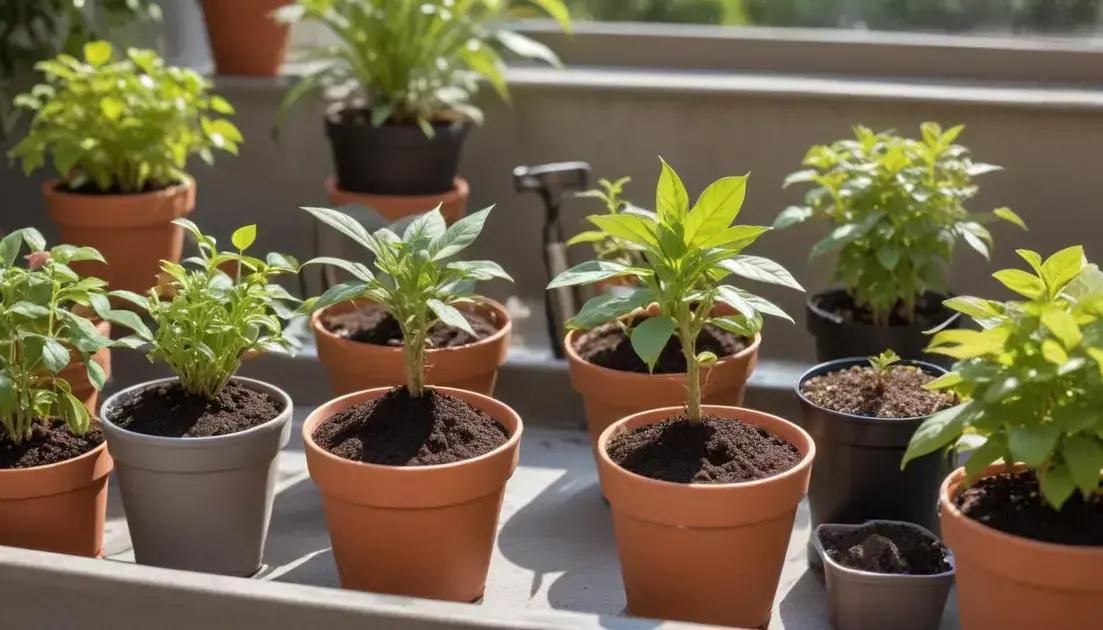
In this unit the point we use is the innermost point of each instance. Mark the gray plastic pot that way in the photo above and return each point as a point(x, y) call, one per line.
point(857, 474)
point(861, 600)
point(199, 504)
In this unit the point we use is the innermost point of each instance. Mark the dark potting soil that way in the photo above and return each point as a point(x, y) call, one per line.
point(91, 188)
point(166, 410)
point(399, 430)
point(860, 390)
point(716, 450)
point(886, 548)
point(1012, 503)
point(373, 324)
point(929, 311)
point(50, 443)
point(609, 346)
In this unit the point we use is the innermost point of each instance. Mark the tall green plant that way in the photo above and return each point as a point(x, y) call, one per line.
point(688, 252)
point(898, 207)
point(1031, 377)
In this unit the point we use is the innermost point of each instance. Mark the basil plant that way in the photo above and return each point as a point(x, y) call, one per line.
point(898, 207)
point(1031, 377)
point(687, 255)
point(413, 278)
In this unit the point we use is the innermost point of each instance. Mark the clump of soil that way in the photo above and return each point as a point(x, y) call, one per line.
point(860, 390)
point(929, 311)
point(400, 430)
point(51, 442)
point(715, 450)
point(610, 347)
point(371, 323)
point(886, 548)
point(167, 410)
point(1013, 504)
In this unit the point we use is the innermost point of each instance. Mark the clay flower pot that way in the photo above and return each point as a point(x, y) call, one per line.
point(707, 553)
point(59, 507)
point(203, 503)
point(355, 365)
point(453, 203)
point(424, 531)
point(244, 37)
point(77, 375)
point(133, 232)
point(609, 395)
point(1009, 582)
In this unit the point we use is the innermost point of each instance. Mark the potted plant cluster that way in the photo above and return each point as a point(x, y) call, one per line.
point(604, 346)
point(1024, 516)
point(862, 414)
point(53, 461)
point(403, 81)
point(898, 207)
point(397, 466)
point(197, 453)
point(119, 133)
point(362, 340)
point(703, 496)
point(245, 36)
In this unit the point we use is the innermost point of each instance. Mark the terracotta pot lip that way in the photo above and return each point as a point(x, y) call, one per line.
point(886, 577)
point(92, 454)
point(841, 364)
point(377, 392)
point(460, 188)
point(574, 357)
point(507, 327)
point(51, 187)
point(976, 528)
point(161, 441)
point(723, 410)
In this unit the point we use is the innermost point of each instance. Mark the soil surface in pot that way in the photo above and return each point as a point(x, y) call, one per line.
point(1012, 503)
point(929, 311)
point(862, 391)
point(373, 324)
point(166, 410)
point(91, 188)
point(716, 450)
point(610, 347)
point(50, 443)
point(399, 430)
point(886, 548)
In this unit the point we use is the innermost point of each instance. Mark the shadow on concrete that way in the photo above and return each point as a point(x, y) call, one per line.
point(805, 605)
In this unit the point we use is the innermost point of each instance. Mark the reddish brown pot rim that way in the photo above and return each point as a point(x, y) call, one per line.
point(53, 188)
point(461, 189)
point(643, 377)
point(73, 473)
point(128, 210)
point(500, 315)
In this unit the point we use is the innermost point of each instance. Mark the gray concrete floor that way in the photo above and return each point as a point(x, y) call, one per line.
point(555, 548)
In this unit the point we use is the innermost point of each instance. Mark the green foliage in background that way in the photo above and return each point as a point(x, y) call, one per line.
point(606, 247)
point(1032, 377)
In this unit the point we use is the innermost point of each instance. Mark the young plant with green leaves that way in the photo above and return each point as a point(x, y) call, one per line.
point(1031, 377)
point(899, 207)
point(414, 280)
point(43, 324)
point(687, 253)
point(415, 61)
point(606, 247)
point(121, 125)
point(884, 361)
point(205, 320)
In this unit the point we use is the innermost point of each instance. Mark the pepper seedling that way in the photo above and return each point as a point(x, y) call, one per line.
point(881, 363)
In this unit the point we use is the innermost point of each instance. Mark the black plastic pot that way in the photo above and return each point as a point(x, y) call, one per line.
point(393, 159)
point(838, 337)
point(857, 475)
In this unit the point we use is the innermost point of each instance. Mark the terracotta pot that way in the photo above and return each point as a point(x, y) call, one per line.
point(59, 507)
point(707, 553)
point(133, 232)
point(244, 37)
point(77, 376)
point(394, 207)
point(1009, 582)
point(425, 531)
point(355, 365)
point(609, 395)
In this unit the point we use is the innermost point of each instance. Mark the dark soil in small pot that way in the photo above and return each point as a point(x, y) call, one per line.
point(886, 547)
point(393, 159)
point(862, 423)
point(610, 347)
point(51, 443)
point(197, 476)
point(371, 323)
point(843, 330)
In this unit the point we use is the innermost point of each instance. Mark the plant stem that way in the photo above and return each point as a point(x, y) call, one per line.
point(688, 338)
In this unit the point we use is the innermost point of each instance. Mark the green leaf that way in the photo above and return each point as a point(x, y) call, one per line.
point(1056, 485)
point(633, 228)
point(1063, 326)
point(140, 301)
point(889, 256)
point(111, 107)
point(346, 225)
point(9, 248)
point(358, 270)
point(993, 449)
point(649, 338)
point(1007, 215)
point(732, 297)
point(1060, 268)
point(759, 304)
point(461, 234)
point(977, 308)
point(707, 358)
point(590, 236)
point(716, 208)
point(55, 356)
point(343, 292)
point(557, 10)
point(734, 238)
point(977, 236)
point(792, 216)
point(97, 53)
point(945, 381)
point(671, 198)
point(427, 227)
point(1032, 444)
point(480, 269)
point(760, 269)
point(28, 309)
point(1084, 457)
point(609, 306)
point(846, 233)
point(131, 321)
point(588, 272)
point(244, 237)
point(739, 325)
point(96, 375)
point(527, 48)
point(7, 394)
point(450, 315)
point(1021, 282)
point(1053, 352)
point(937, 431)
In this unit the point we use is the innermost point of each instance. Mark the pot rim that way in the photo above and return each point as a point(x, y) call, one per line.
point(51, 188)
point(333, 108)
point(873, 575)
point(836, 365)
point(95, 452)
point(573, 356)
point(198, 442)
point(727, 412)
point(308, 437)
point(498, 308)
